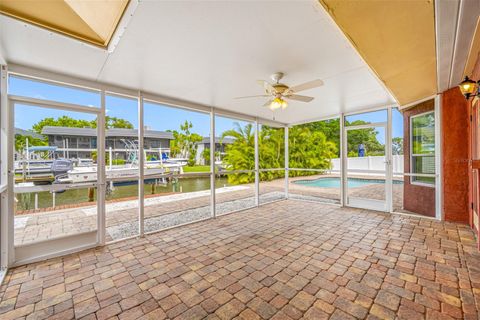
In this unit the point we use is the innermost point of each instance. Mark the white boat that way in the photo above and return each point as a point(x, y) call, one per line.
point(33, 167)
point(89, 174)
point(36, 161)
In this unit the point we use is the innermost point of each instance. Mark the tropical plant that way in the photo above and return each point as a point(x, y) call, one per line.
point(367, 137)
point(63, 121)
point(184, 143)
point(271, 146)
point(397, 145)
point(206, 155)
point(240, 154)
point(115, 162)
point(118, 162)
point(307, 149)
point(21, 144)
point(114, 122)
point(271, 152)
point(330, 128)
point(66, 121)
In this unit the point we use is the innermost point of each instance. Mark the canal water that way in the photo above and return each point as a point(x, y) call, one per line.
point(26, 201)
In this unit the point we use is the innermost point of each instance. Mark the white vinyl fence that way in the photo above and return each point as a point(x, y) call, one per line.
point(369, 165)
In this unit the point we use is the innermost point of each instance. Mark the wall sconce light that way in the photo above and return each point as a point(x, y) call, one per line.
point(469, 88)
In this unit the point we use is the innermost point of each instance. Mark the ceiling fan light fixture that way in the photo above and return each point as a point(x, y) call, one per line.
point(277, 92)
point(278, 103)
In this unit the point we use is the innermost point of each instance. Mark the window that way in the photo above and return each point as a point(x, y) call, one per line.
point(84, 142)
point(110, 143)
point(422, 149)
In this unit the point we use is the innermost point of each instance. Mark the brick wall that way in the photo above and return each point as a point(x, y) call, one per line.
point(416, 198)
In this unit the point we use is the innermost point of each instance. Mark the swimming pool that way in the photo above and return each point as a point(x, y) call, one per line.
point(335, 182)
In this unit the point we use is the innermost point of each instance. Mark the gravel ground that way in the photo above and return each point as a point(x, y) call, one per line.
point(176, 218)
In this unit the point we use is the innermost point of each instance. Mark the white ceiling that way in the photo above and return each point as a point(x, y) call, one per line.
point(456, 21)
point(210, 52)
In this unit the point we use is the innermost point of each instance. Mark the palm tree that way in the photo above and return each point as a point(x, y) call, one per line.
point(240, 155)
point(308, 149)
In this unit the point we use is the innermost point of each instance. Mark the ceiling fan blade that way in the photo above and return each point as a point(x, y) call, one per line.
point(307, 85)
point(268, 103)
point(267, 86)
point(299, 98)
point(257, 96)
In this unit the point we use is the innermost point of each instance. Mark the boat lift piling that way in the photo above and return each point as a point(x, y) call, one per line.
point(91, 194)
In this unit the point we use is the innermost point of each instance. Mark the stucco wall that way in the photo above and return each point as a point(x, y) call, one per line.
point(455, 147)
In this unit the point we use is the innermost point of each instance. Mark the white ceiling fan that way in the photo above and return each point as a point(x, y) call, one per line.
point(278, 92)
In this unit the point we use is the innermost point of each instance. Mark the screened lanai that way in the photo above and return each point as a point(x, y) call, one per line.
point(204, 159)
point(99, 200)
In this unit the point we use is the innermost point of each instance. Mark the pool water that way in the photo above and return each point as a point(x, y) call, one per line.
point(335, 182)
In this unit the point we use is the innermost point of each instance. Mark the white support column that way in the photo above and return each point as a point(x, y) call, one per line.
point(101, 180)
point(343, 161)
point(212, 163)
point(7, 255)
point(7, 208)
point(388, 163)
point(286, 163)
point(141, 167)
point(257, 172)
point(439, 214)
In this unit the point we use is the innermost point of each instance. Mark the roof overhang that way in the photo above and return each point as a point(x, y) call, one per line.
point(458, 40)
point(397, 40)
point(91, 21)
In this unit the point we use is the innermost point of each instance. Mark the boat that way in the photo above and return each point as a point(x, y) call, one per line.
point(66, 171)
point(89, 173)
point(36, 163)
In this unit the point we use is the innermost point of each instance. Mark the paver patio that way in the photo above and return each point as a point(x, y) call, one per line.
point(122, 216)
point(285, 260)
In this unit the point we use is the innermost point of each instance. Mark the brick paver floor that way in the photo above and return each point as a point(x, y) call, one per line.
point(285, 260)
point(41, 226)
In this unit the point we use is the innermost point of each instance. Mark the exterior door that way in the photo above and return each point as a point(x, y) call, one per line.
point(53, 213)
point(367, 183)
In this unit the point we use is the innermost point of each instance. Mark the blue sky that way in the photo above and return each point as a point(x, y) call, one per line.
point(381, 116)
point(157, 117)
